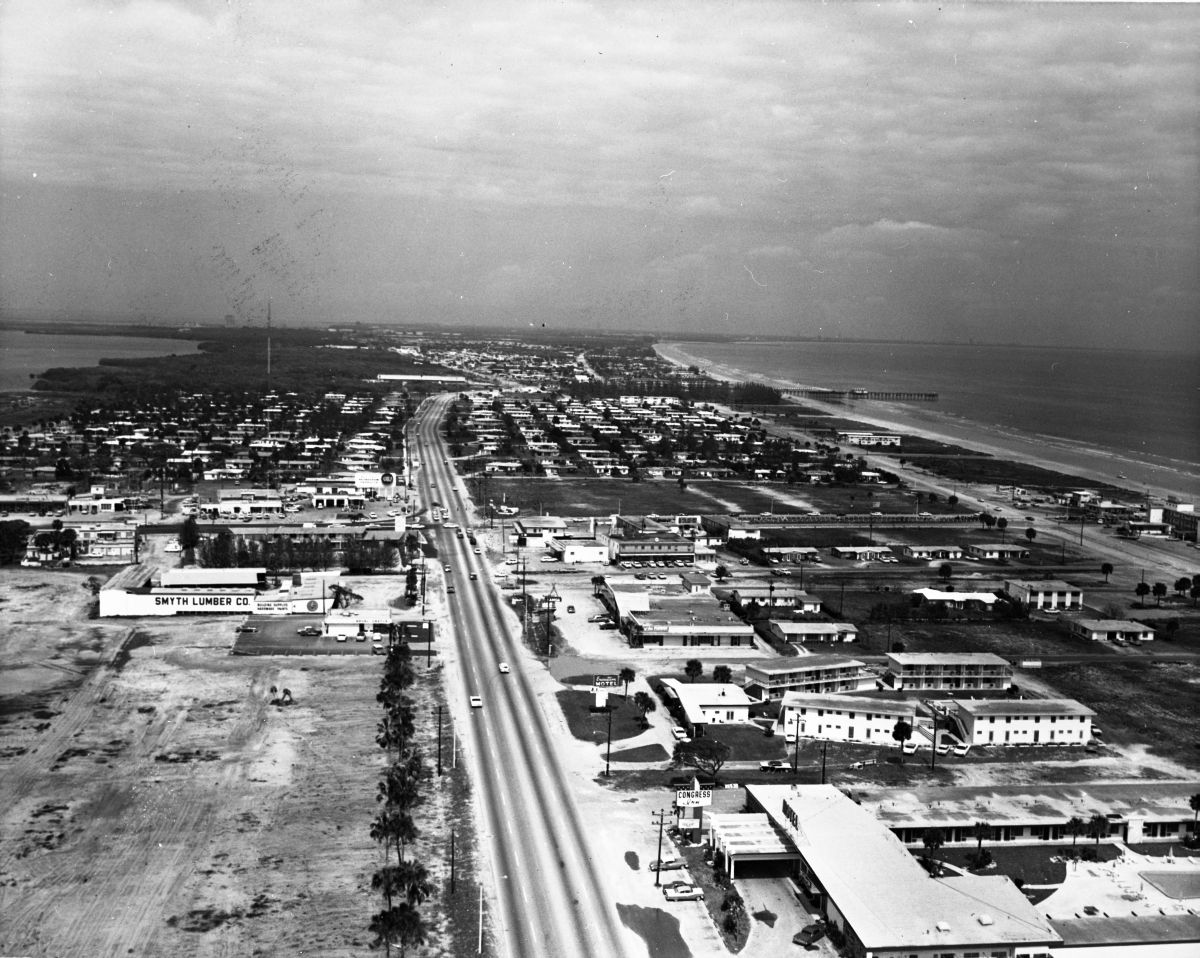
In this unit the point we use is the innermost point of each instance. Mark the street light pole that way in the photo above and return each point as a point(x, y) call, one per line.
point(608, 751)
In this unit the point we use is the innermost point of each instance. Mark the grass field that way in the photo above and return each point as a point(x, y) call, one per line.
point(590, 726)
point(1146, 703)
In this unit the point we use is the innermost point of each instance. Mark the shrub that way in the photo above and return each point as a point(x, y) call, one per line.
point(980, 859)
point(730, 924)
point(1088, 854)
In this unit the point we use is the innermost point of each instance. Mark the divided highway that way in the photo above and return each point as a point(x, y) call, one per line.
point(551, 898)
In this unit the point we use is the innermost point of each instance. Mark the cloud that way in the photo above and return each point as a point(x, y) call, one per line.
point(810, 142)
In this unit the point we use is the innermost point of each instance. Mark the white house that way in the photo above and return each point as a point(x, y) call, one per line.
point(710, 703)
point(801, 633)
point(1111, 630)
point(957, 600)
point(1045, 593)
point(575, 551)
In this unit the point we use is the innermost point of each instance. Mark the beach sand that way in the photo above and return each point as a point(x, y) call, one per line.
point(1090, 465)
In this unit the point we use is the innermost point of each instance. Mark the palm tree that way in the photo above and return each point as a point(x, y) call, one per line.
point(1098, 827)
point(1001, 524)
point(626, 675)
point(1141, 590)
point(946, 571)
point(933, 839)
point(1194, 805)
point(409, 926)
point(1106, 569)
point(1160, 591)
point(694, 669)
point(1075, 827)
point(644, 703)
point(1182, 585)
point(981, 831)
point(722, 674)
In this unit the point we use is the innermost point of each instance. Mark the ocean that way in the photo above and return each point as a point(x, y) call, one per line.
point(24, 354)
point(1132, 417)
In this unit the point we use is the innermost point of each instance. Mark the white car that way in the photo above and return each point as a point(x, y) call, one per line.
point(679, 734)
point(476, 702)
point(503, 668)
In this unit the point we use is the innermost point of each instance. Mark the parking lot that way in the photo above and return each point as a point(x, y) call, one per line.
point(277, 635)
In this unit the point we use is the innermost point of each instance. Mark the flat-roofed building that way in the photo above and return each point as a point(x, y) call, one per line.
point(800, 634)
point(876, 895)
point(1045, 593)
point(948, 670)
point(640, 547)
point(957, 600)
point(869, 438)
point(576, 551)
point(1112, 630)
point(996, 550)
point(1022, 721)
point(774, 678)
point(687, 624)
point(710, 703)
point(775, 596)
point(932, 552)
point(844, 718)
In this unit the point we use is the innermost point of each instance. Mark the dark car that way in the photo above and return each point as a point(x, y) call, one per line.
point(246, 628)
point(810, 934)
point(310, 630)
point(666, 865)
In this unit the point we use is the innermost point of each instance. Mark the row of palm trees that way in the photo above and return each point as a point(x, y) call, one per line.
point(402, 881)
point(1096, 827)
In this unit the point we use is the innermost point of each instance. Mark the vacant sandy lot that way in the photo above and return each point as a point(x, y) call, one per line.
point(153, 802)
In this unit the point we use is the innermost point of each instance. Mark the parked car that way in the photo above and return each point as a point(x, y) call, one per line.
point(667, 865)
point(774, 765)
point(570, 608)
point(599, 617)
point(810, 934)
point(682, 891)
point(679, 734)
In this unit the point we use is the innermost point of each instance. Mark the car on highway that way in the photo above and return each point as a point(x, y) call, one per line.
point(476, 702)
point(682, 891)
point(476, 551)
point(925, 515)
point(570, 608)
point(246, 628)
point(503, 667)
point(774, 765)
point(667, 865)
point(450, 590)
point(474, 576)
point(311, 630)
point(599, 617)
point(445, 568)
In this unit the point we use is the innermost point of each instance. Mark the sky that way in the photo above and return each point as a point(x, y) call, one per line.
point(990, 172)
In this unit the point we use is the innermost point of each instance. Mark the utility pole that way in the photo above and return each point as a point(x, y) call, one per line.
point(608, 751)
point(439, 762)
point(795, 751)
point(824, 749)
point(660, 816)
point(452, 861)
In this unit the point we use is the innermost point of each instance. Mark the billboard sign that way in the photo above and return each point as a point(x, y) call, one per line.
point(602, 683)
point(693, 798)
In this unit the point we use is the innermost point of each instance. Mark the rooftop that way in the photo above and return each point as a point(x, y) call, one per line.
point(880, 888)
point(802, 663)
point(1023, 707)
point(946, 658)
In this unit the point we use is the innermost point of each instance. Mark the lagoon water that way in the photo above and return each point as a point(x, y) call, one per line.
point(1135, 414)
point(23, 354)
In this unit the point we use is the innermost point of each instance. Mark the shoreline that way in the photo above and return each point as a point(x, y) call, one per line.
point(894, 417)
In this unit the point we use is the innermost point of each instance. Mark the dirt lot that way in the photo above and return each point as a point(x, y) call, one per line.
point(152, 801)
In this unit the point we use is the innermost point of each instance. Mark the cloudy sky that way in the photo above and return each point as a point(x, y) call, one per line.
point(1006, 172)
